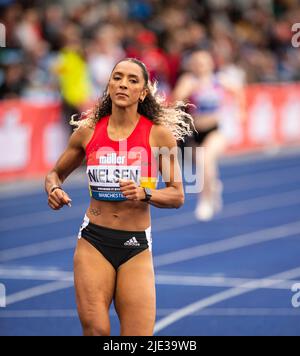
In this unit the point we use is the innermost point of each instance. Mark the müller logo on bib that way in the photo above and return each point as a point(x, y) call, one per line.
point(113, 158)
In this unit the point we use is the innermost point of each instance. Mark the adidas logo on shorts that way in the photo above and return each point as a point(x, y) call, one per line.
point(132, 242)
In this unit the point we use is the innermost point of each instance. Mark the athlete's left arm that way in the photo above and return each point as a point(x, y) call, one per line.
point(173, 195)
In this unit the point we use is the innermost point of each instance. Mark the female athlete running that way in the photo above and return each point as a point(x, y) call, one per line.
point(121, 142)
point(203, 88)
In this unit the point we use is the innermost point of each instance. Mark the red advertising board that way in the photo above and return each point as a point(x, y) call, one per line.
point(33, 136)
point(272, 118)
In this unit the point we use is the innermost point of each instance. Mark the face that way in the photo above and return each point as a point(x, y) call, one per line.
point(201, 63)
point(127, 85)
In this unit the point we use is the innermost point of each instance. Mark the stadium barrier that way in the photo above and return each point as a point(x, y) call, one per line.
point(33, 136)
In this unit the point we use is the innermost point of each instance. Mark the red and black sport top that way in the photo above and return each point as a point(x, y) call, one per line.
point(130, 158)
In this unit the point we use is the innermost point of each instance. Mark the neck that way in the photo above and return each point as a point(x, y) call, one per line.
point(124, 116)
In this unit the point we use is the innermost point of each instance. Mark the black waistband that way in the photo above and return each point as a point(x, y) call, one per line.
point(113, 237)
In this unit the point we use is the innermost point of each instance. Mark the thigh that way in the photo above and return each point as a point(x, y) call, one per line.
point(215, 144)
point(94, 279)
point(135, 300)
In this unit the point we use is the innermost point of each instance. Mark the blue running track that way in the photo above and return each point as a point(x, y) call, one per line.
point(230, 276)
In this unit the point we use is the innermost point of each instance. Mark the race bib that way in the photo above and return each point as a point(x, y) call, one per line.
point(104, 178)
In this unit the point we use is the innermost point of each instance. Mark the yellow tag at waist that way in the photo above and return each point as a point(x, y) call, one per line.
point(148, 182)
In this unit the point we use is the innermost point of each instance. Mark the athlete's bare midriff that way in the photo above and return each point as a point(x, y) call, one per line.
point(123, 215)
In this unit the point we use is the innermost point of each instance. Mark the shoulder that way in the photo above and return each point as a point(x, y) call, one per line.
point(187, 80)
point(185, 86)
point(162, 136)
point(187, 77)
point(81, 136)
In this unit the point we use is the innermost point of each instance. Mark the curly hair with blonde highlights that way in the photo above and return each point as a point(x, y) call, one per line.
point(154, 107)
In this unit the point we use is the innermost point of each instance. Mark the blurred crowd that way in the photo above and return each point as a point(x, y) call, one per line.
point(66, 49)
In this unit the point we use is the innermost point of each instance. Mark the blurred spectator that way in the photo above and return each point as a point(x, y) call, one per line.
point(52, 25)
point(41, 86)
point(155, 59)
point(251, 36)
point(72, 71)
point(139, 10)
point(13, 83)
point(28, 31)
point(104, 51)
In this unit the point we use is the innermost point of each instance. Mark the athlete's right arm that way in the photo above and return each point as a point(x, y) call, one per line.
point(184, 87)
point(70, 159)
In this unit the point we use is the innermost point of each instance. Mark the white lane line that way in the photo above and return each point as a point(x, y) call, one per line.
point(38, 248)
point(78, 179)
point(233, 243)
point(51, 287)
point(222, 296)
point(262, 180)
point(37, 291)
point(40, 313)
point(23, 189)
point(42, 217)
point(229, 312)
point(257, 180)
point(210, 281)
point(38, 197)
point(160, 224)
point(237, 312)
point(274, 178)
point(239, 208)
point(26, 273)
point(32, 273)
